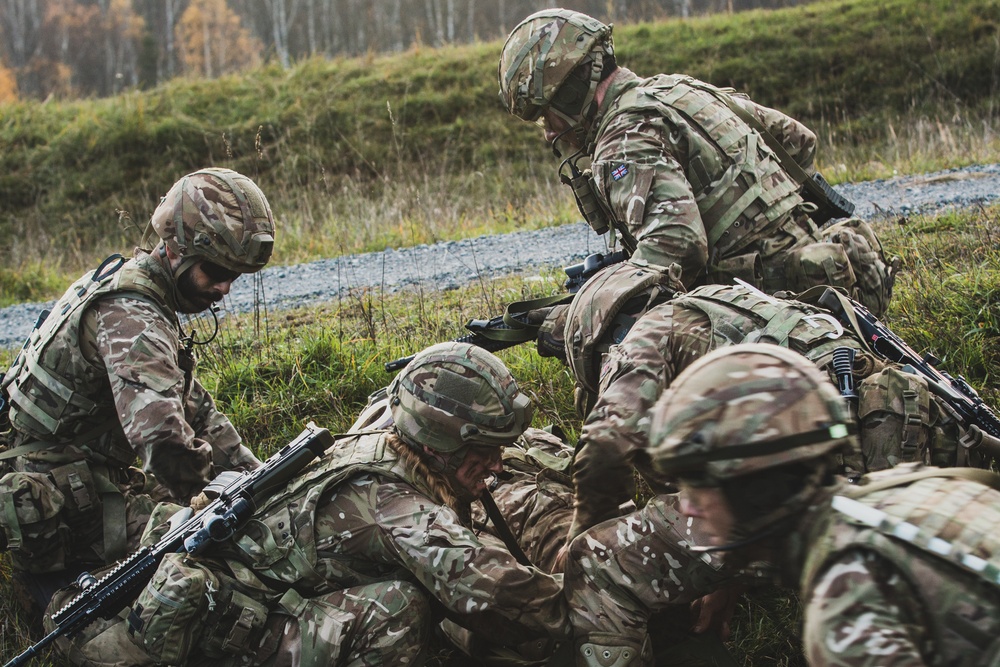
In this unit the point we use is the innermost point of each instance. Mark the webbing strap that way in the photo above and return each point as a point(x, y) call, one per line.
point(503, 530)
point(10, 519)
point(29, 448)
point(115, 527)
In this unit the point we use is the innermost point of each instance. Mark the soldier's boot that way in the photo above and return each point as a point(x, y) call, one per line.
point(609, 650)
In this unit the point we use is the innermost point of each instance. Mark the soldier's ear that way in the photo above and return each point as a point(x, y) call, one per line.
point(171, 255)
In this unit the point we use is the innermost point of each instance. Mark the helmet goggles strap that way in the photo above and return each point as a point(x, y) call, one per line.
point(696, 460)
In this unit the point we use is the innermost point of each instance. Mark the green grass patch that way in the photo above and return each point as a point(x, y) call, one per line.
point(359, 153)
point(272, 375)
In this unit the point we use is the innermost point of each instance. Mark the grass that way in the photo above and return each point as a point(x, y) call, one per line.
point(360, 154)
point(320, 364)
point(363, 153)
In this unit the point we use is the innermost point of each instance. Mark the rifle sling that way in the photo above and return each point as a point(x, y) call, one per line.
point(503, 530)
point(519, 331)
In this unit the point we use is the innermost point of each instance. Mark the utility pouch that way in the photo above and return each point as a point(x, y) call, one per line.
point(235, 625)
point(30, 509)
point(747, 267)
point(895, 420)
point(169, 616)
point(819, 264)
point(581, 182)
point(875, 275)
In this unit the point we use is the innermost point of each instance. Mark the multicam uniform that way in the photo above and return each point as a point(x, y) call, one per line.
point(674, 164)
point(899, 419)
point(874, 598)
point(362, 516)
point(103, 380)
point(894, 408)
point(698, 176)
point(900, 568)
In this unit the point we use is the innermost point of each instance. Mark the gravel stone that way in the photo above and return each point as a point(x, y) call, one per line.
point(448, 264)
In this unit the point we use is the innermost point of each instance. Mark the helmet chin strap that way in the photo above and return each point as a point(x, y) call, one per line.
point(555, 149)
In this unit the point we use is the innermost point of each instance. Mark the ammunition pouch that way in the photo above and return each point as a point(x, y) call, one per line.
point(747, 267)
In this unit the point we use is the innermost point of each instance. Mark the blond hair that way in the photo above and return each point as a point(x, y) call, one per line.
point(440, 486)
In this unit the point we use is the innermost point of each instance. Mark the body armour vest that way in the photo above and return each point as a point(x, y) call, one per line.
point(744, 315)
point(56, 394)
point(279, 542)
point(742, 191)
point(926, 529)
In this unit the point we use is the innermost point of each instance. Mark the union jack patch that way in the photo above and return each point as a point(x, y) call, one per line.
point(619, 172)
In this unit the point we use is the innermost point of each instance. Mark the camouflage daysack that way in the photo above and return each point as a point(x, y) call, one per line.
point(849, 255)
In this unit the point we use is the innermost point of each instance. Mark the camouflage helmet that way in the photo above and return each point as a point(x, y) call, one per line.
point(540, 58)
point(743, 409)
point(216, 215)
point(604, 310)
point(455, 394)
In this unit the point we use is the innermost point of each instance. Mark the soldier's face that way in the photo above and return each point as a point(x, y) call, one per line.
point(479, 464)
point(205, 283)
point(556, 128)
point(708, 505)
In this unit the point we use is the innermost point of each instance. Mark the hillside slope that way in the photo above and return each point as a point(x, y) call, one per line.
point(70, 171)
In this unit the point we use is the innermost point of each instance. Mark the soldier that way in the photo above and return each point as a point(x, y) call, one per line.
point(898, 569)
point(626, 337)
point(684, 172)
point(108, 376)
point(386, 504)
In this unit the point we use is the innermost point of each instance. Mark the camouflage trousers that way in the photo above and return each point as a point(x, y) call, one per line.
point(380, 624)
point(620, 572)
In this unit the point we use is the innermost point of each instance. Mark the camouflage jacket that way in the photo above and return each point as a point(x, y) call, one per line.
point(662, 343)
point(894, 593)
point(106, 375)
point(359, 515)
point(898, 418)
point(691, 181)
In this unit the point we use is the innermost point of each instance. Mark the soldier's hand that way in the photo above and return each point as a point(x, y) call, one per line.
point(200, 502)
point(713, 612)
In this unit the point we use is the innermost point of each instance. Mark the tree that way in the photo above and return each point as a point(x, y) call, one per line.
point(8, 85)
point(212, 40)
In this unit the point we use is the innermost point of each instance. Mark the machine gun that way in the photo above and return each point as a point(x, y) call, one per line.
point(497, 333)
point(236, 503)
point(982, 423)
point(513, 326)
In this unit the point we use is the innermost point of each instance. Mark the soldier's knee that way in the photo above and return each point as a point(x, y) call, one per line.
point(612, 650)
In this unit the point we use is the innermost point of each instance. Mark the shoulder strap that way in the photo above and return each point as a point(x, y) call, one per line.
point(503, 530)
point(978, 475)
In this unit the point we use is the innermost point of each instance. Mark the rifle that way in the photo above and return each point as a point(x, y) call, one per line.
point(215, 523)
point(495, 334)
point(578, 274)
point(830, 204)
point(982, 423)
point(512, 327)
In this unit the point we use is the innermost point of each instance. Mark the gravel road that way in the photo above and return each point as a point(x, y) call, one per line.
point(453, 263)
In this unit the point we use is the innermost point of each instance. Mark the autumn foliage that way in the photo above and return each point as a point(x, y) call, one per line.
point(213, 41)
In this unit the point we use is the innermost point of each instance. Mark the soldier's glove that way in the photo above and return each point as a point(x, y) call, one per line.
point(200, 502)
point(551, 331)
point(214, 489)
